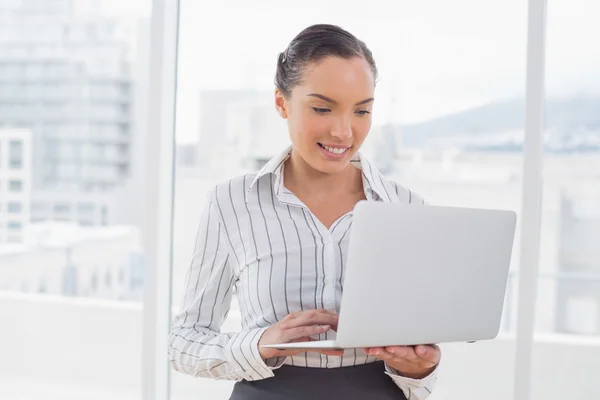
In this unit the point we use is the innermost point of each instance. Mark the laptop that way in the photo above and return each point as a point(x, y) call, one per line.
point(422, 275)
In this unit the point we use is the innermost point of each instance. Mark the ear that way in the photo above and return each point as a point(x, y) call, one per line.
point(281, 104)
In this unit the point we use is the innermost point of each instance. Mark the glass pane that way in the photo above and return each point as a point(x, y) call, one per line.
point(447, 123)
point(71, 256)
point(567, 345)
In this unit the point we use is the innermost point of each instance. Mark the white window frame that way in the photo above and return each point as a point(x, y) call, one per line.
point(157, 236)
point(159, 154)
point(531, 216)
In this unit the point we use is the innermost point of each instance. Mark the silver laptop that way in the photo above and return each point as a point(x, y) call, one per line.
point(422, 275)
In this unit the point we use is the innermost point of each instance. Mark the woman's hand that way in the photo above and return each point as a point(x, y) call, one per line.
point(298, 327)
point(412, 362)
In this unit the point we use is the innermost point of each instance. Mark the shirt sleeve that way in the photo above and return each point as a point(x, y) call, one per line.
point(196, 345)
point(414, 389)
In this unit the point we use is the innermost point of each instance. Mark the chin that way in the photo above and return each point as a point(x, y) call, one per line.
point(330, 167)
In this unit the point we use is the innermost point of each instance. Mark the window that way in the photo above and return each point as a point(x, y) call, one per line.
point(121, 275)
point(62, 208)
point(94, 282)
point(15, 154)
point(568, 298)
point(13, 239)
point(46, 89)
point(14, 225)
point(14, 208)
point(108, 280)
point(86, 208)
point(449, 107)
point(15, 186)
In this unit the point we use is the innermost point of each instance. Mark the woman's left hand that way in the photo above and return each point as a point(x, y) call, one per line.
point(412, 362)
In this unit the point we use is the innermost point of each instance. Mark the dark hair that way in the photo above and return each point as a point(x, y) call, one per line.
point(311, 46)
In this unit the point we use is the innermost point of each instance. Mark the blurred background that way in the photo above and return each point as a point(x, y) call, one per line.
point(448, 123)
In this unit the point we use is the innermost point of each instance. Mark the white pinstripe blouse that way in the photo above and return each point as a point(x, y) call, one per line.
point(258, 236)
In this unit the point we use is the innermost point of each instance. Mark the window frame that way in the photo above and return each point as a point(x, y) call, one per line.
point(158, 234)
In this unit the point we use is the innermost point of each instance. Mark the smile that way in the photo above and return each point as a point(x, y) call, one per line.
point(334, 150)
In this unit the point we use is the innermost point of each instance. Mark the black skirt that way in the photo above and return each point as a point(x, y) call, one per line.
point(366, 381)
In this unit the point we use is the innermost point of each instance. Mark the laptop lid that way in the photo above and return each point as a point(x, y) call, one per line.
point(424, 274)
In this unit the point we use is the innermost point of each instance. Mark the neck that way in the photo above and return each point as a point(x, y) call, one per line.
point(300, 176)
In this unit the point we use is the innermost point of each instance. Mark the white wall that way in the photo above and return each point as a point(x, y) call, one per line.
point(74, 348)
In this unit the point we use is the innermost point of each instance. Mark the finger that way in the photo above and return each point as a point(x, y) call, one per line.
point(381, 353)
point(431, 354)
point(406, 353)
point(330, 312)
point(287, 353)
point(400, 351)
point(303, 331)
point(374, 351)
point(313, 317)
point(337, 353)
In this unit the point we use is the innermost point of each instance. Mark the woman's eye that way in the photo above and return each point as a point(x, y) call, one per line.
point(362, 112)
point(321, 110)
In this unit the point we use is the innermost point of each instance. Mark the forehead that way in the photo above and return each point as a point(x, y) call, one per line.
point(341, 79)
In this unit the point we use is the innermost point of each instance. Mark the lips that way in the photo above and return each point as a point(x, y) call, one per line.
point(333, 153)
point(334, 149)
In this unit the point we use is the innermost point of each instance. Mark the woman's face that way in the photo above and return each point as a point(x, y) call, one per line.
point(329, 114)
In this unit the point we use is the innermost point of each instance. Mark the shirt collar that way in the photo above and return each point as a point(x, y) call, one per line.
point(374, 182)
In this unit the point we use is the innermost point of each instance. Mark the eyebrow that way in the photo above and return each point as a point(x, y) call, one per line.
point(327, 99)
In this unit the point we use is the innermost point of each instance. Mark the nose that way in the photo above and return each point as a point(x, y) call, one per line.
point(342, 128)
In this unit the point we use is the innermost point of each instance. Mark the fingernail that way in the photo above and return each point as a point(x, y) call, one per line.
point(421, 350)
point(325, 326)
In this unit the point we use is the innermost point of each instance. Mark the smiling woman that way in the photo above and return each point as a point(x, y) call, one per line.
point(280, 237)
point(329, 111)
point(429, 65)
point(325, 84)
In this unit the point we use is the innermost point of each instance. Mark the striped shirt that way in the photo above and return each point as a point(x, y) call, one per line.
point(257, 237)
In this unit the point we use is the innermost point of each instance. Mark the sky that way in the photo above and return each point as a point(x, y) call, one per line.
point(434, 57)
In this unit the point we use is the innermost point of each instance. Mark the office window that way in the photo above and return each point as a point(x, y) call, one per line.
point(447, 120)
point(568, 297)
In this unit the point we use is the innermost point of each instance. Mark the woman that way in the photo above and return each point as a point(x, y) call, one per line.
point(281, 238)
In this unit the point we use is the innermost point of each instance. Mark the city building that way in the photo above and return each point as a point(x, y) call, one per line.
point(239, 129)
point(578, 289)
point(66, 75)
point(15, 183)
point(69, 260)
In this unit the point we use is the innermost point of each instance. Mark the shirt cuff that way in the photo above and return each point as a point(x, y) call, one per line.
point(275, 362)
point(243, 352)
point(421, 388)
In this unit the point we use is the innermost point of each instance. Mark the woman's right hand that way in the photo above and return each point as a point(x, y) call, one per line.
point(298, 327)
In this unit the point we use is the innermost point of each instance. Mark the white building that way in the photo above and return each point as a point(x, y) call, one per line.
point(579, 256)
point(239, 129)
point(65, 74)
point(15, 183)
point(65, 259)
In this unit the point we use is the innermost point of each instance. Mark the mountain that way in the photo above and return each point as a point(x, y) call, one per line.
point(567, 120)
